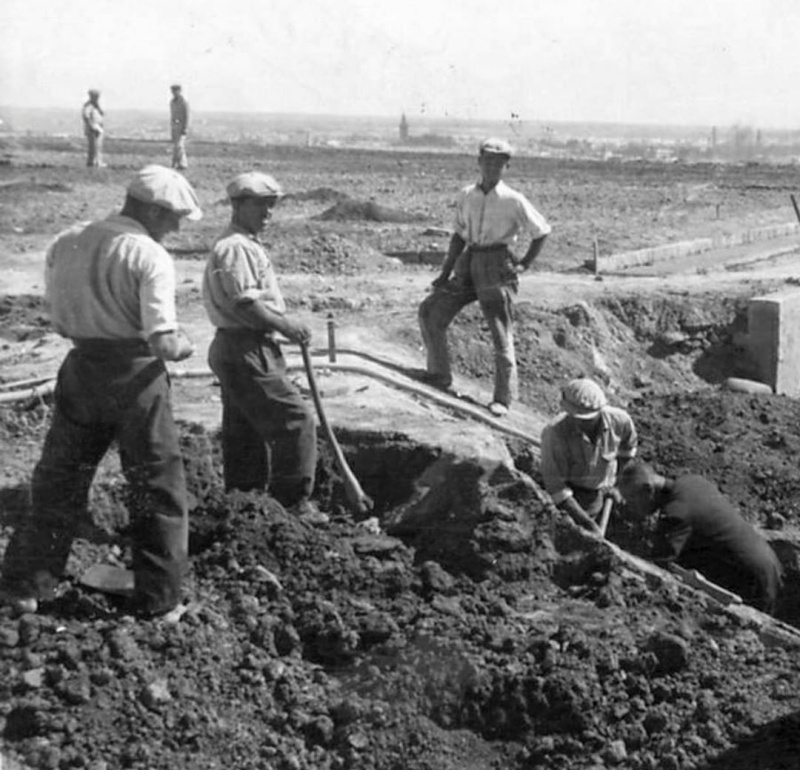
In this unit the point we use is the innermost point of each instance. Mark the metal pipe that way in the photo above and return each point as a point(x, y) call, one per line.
point(331, 339)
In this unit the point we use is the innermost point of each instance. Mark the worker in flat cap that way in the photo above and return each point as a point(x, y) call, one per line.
point(269, 437)
point(583, 450)
point(110, 288)
point(93, 116)
point(698, 528)
point(481, 265)
point(179, 127)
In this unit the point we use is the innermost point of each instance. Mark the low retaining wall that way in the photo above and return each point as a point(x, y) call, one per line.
point(698, 246)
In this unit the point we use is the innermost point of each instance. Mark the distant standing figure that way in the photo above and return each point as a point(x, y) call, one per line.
point(489, 218)
point(269, 435)
point(699, 528)
point(110, 288)
point(583, 450)
point(93, 115)
point(179, 122)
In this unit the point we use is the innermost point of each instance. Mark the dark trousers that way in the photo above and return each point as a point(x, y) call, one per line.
point(488, 277)
point(269, 435)
point(107, 391)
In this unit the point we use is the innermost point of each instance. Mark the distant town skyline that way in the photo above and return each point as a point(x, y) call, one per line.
point(673, 62)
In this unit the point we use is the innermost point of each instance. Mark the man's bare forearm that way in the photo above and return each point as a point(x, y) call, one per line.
point(457, 244)
point(533, 251)
point(573, 509)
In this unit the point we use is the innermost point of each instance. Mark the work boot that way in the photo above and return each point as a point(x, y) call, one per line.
point(20, 605)
point(498, 409)
point(437, 381)
point(307, 511)
point(24, 595)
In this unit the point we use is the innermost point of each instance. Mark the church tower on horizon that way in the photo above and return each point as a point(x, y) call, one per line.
point(403, 129)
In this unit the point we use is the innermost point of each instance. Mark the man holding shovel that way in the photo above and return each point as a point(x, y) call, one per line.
point(269, 435)
point(582, 450)
point(698, 528)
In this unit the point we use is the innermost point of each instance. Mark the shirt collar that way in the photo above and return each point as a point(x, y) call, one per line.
point(129, 222)
point(233, 228)
point(573, 425)
point(496, 190)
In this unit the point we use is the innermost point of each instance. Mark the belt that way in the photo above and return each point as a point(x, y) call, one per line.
point(491, 247)
point(135, 346)
point(246, 331)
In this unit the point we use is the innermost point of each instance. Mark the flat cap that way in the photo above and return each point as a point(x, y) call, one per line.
point(94, 92)
point(167, 188)
point(583, 398)
point(254, 184)
point(494, 146)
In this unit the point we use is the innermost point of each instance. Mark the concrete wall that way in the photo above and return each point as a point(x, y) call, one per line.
point(773, 323)
point(685, 248)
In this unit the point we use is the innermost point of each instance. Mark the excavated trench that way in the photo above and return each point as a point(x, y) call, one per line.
point(471, 629)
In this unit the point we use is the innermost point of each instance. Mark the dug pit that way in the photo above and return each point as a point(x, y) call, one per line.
point(478, 629)
point(460, 624)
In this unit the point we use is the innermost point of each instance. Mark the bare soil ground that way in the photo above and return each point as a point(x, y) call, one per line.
point(487, 634)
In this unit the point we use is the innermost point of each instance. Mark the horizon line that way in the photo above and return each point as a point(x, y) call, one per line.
point(412, 117)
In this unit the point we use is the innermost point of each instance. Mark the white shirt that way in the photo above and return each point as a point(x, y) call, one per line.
point(499, 216)
point(110, 280)
point(239, 270)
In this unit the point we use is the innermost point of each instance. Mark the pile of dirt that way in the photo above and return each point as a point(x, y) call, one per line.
point(16, 187)
point(328, 254)
point(749, 445)
point(632, 344)
point(318, 194)
point(344, 648)
point(368, 211)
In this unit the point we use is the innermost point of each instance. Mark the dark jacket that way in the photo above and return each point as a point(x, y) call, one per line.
point(701, 529)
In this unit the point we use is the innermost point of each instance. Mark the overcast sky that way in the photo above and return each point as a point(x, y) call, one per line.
point(698, 62)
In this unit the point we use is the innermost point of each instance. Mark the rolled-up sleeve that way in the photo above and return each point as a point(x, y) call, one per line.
point(629, 440)
point(234, 275)
point(157, 294)
point(554, 466)
point(530, 220)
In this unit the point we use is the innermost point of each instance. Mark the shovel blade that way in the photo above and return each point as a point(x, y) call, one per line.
point(108, 579)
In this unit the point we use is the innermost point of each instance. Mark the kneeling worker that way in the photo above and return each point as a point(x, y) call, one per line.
point(699, 528)
point(269, 434)
point(582, 450)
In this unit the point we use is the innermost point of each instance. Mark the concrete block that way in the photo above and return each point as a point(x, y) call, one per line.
point(654, 254)
point(773, 323)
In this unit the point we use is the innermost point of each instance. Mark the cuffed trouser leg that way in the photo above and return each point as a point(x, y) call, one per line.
point(252, 374)
point(496, 284)
point(151, 460)
point(498, 309)
point(436, 313)
point(179, 159)
point(101, 397)
point(91, 150)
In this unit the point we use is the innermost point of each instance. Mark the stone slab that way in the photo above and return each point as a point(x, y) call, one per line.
point(774, 340)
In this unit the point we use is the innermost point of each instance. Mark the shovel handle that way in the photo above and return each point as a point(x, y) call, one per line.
point(605, 515)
